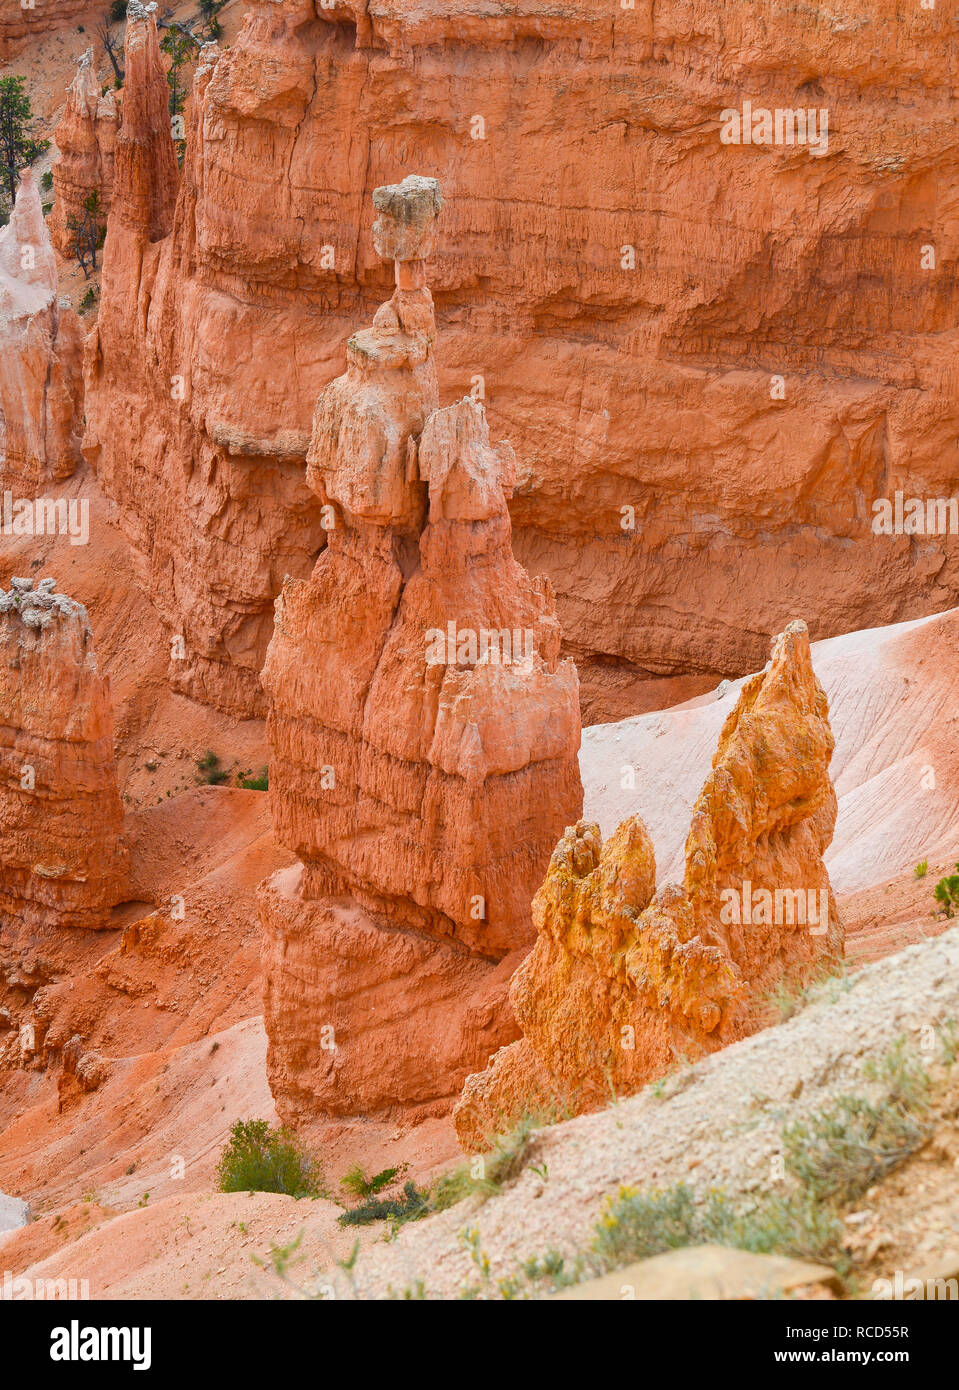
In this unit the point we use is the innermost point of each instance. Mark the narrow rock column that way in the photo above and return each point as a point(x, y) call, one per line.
point(145, 174)
point(424, 730)
point(40, 355)
point(63, 859)
point(86, 138)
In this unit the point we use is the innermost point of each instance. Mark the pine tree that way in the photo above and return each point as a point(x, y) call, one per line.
point(17, 148)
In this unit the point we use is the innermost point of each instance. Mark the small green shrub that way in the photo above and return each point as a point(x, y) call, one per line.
point(211, 773)
point(359, 1185)
point(947, 893)
point(260, 783)
point(413, 1205)
point(87, 301)
point(949, 1041)
point(635, 1224)
point(506, 1159)
point(258, 1158)
point(921, 869)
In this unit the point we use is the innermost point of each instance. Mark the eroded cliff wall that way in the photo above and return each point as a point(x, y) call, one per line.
point(20, 22)
point(745, 344)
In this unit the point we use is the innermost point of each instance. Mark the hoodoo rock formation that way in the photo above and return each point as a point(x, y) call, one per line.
point(711, 357)
point(40, 355)
point(424, 730)
point(86, 137)
point(62, 852)
point(624, 981)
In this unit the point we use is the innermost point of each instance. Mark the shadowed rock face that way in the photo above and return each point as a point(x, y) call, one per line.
point(63, 860)
point(86, 137)
point(623, 981)
point(423, 728)
point(40, 355)
point(647, 387)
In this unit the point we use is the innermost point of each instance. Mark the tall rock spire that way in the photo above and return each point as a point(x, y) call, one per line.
point(40, 354)
point(62, 855)
point(145, 169)
point(438, 697)
point(86, 138)
point(424, 729)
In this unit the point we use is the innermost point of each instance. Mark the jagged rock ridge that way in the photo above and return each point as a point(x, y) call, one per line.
point(625, 981)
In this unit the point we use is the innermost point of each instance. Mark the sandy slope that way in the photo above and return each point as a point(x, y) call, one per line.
point(187, 1246)
point(716, 1123)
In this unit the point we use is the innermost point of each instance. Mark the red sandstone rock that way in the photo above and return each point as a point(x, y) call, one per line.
point(40, 355)
point(211, 493)
point(647, 388)
point(86, 138)
point(365, 1020)
point(623, 981)
point(62, 854)
point(424, 730)
point(145, 168)
point(410, 768)
point(20, 23)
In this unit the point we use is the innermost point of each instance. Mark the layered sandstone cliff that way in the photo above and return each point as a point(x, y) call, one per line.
point(711, 357)
point(424, 730)
point(62, 853)
point(86, 137)
point(20, 22)
point(211, 494)
point(625, 981)
point(40, 355)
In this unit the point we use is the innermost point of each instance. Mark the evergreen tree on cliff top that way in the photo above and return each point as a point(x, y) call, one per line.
point(17, 148)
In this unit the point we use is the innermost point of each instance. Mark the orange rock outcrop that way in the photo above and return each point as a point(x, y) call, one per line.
point(86, 137)
point(424, 729)
point(745, 345)
point(40, 357)
point(623, 980)
point(63, 858)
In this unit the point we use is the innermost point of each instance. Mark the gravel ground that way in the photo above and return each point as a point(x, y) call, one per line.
point(717, 1123)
